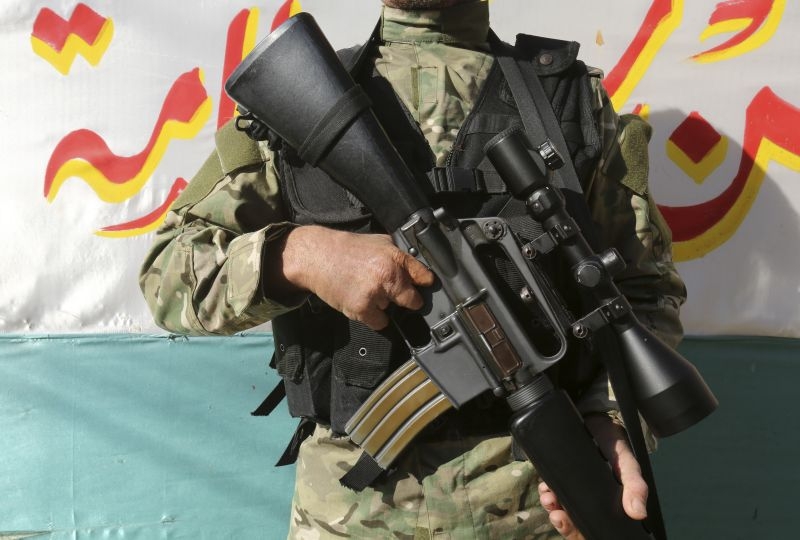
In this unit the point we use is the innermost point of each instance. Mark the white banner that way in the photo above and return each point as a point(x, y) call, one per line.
point(108, 108)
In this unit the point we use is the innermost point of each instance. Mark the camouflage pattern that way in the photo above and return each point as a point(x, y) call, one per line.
point(203, 276)
point(203, 272)
point(471, 489)
point(620, 200)
point(437, 79)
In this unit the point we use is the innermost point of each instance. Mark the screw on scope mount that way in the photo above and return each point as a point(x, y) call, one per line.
point(493, 229)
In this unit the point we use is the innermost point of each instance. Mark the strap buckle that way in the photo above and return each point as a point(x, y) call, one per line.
point(252, 126)
point(551, 157)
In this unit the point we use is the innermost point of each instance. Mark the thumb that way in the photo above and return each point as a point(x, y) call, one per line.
point(419, 274)
point(613, 443)
point(634, 488)
point(634, 493)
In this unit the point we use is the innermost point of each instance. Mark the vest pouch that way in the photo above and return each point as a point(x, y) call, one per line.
point(363, 359)
point(303, 349)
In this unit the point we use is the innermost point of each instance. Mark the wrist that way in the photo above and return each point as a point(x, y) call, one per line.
point(283, 267)
point(300, 256)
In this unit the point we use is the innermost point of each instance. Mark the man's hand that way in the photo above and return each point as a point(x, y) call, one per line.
point(613, 442)
point(357, 274)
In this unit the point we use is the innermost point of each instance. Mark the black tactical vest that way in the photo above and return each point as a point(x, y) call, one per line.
point(330, 364)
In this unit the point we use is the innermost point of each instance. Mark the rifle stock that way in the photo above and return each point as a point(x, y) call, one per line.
point(471, 341)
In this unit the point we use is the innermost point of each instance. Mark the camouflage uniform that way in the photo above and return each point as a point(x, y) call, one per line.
point(203, 276)
point(468, 489)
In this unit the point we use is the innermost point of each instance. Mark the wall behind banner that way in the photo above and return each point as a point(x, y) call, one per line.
point(108, 108)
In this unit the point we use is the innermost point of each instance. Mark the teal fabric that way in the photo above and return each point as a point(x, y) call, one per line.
point(140, 438)
point(145, 437)
point(734, 476)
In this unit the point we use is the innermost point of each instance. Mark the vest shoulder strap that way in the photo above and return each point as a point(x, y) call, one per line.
point(537, 113)
point(538, 116)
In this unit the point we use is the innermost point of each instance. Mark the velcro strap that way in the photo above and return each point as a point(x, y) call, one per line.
point(364, 473)
point(329, 127)
point(271, 401)
point(460, 179)
point(235, 148)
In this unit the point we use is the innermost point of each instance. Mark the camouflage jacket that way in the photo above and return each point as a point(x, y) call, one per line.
point(203, 272)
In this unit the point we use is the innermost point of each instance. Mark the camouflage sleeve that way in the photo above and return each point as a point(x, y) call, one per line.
point(203, 273)
point(628, 219)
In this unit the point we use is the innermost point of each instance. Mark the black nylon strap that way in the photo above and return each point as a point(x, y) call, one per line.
point(364, 472)
point(537, 115)
point(303, 431)
point(330, 126)
point(541, 124)
point(461, 179)
point(271, 401)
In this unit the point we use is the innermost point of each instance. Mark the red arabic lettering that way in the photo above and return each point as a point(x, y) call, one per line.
point(114, 178)
point(239, 42)
point(755, 20)
point(54, 30)
point(770, 134)
point(149, 221)
point(663, 17)
point(695, 137)
point(59, 41)
point(289, 8)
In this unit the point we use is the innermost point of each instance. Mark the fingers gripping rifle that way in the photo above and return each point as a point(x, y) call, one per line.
point(470, 341)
